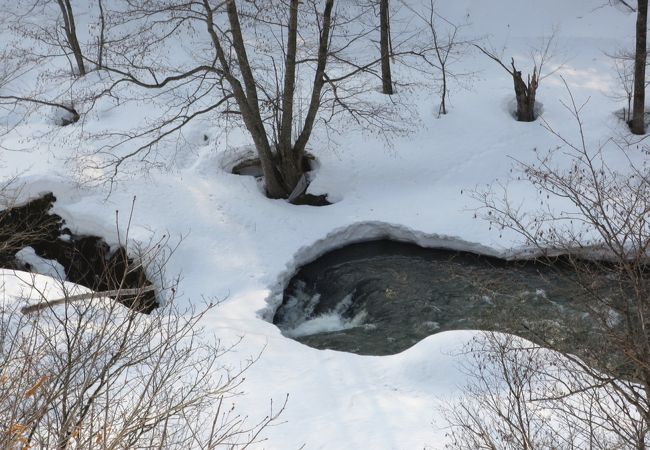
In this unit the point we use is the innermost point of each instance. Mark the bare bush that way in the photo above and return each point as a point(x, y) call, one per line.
point(594, 217)
point(498, 410)
point(520, 395)
point(84, 371)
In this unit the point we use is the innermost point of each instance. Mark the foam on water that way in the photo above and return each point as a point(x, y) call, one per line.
point(303, 323)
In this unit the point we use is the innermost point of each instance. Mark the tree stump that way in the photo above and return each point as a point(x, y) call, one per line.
point(525, 94)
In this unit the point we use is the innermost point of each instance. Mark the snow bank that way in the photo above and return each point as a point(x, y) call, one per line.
point(26, 288)
point(241, 248)
point(362, 232)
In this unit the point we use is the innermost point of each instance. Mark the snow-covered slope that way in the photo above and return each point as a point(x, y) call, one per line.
point(240, 247)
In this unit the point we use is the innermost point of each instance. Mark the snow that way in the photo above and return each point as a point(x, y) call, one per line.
point(49, 267)
point(239, 247)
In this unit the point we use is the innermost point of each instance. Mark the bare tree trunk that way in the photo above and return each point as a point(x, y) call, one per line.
point(246, 99)
point(525, 94)
point(319, 78)
point(71, 34)
point(525, 91)
point(638, 112)
point(291, 160)
point(384, 44)
point(101, 41)
point(282, 172)
point(443, 98)
point(297, 169)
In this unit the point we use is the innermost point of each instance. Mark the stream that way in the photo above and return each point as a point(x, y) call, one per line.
point(382, 297)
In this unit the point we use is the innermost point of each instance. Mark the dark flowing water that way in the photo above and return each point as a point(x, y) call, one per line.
point(381, 297)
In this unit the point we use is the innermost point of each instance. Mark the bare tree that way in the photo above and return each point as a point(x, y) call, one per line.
point(279, 92)
point(101, 38)
point(446, 49)
point(70, 29)
point(624, 64)
point(526, 91)
point(35, 59)
point(47, 31)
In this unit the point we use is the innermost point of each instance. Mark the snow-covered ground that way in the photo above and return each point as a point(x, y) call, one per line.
point(240, 247)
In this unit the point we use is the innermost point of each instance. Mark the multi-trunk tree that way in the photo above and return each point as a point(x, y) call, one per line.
point(283, 165)
point(278, 68)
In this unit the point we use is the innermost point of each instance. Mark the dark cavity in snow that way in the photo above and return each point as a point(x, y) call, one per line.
point(87, 260)
point(382, 297)
point(253, 167)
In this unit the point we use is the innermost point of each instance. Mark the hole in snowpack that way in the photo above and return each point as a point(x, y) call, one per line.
point(36, 240)
point(250, 165)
